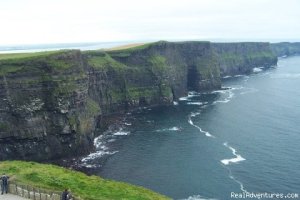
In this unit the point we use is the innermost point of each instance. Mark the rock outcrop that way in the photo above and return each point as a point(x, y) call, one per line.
point(51, 103)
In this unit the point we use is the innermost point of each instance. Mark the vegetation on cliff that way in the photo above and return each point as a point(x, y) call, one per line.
point(56, 178)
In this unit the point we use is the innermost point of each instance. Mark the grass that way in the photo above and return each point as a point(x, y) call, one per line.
point(100, 60)
point(138, 92)
point(158, 65)
point(127, 46)
point(38, 62)
point(28, 55)
point(56, 178)
point(130, 48)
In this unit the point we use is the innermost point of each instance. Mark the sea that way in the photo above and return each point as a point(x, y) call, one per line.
point(27, 48)
point(238, 143)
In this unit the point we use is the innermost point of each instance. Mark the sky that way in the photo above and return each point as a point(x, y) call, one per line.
point(68, 21)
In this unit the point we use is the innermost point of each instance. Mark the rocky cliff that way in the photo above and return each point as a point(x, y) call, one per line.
point(51, 103)
point(286, 48)
point(241, 58)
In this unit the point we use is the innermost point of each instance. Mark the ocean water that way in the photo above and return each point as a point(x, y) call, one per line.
point(51, 47)
point(208, 145)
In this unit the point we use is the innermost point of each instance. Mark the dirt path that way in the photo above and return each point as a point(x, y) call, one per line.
point(10, 197)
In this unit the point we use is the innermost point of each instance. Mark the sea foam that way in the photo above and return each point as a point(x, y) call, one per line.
point(175, 128)
point(238, 158)
point(195, 103)
point(197, 197)
point(256, 69)
point(121, 133)
point(202, 131)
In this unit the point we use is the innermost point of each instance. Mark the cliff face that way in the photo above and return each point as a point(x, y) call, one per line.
point(286, 48)
point(51, 103)
point(241, 58)
point(176, 67)
point(45, 108)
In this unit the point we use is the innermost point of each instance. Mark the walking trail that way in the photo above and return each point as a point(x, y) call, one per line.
point(11, 197)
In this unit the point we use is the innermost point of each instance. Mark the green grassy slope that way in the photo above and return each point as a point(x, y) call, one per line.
point(56, 178)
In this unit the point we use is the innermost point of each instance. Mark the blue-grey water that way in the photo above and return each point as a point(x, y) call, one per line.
point(51, 47)
point(246, 138)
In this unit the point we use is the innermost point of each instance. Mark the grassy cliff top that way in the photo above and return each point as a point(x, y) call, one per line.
point(56, 178)
point(127, 46)
point(8, 56)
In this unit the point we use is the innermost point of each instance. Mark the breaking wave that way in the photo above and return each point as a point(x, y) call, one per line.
point(121, 133)
point(175, 128)
point(238, 157)
point(197, 197)
point(257, 69)
point(201, 131)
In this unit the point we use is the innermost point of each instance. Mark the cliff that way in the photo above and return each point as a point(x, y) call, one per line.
point(51, 103)
point(286, 48)
point(45, 110)
point(241, 58)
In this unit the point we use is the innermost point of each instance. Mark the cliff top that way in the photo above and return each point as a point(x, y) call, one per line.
point(28, 55)
point(127, 46)
point(54, 178)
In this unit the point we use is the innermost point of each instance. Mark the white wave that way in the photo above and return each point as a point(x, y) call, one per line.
point(120, 133)
point(194, 114)
point(207, 134)
point(190, 121)
point(183, 98)
point(175, 103)
point(238, 158)
point(236, 88)
point(197, 197)
point(91, 165)
point(175, 128)
point(239, 75)
point(111, 140)
point(97, 154)
point(127, 124)
point(235, 180)
point(190, 95)
point(256, 69)
point(227, 99)
point(193, 94)
point(227, 77)
point(98, 141)
point(195, 103)
point(219, 91)
point(221, 101)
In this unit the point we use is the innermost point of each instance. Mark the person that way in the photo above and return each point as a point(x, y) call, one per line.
point(65, 195)
point(4, 184)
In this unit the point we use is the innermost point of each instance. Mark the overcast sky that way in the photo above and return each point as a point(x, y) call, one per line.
point(65, 21)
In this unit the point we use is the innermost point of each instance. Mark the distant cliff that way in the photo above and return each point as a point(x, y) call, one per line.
point(241, 58)
point(51, 103)
point(286, 48)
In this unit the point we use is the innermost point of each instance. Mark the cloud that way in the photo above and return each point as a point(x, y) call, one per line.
point(63, 21)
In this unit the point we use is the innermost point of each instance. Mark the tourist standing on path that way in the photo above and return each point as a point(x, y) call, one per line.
point(4, 183)
point(66, 195)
